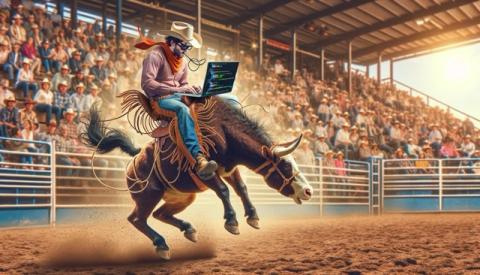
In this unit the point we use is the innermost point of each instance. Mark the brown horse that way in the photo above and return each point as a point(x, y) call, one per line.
point(233, 138)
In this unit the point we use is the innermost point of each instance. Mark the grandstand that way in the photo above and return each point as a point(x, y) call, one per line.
point(371, 145)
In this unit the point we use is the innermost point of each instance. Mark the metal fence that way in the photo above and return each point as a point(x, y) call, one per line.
point(419, 185)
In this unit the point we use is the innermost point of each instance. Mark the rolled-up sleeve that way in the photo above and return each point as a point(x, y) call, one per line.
point(150, 85)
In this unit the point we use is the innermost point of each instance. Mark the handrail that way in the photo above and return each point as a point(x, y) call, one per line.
point(449, 107)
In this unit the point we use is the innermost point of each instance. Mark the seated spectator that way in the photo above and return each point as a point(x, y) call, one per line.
point(26, 80)
point(29, 51)
point(364, 152)
point(376, 152)
point(62, 76)
point(14, 62)
point(423, 166)
point(4, 38)
point(412, 149)
point(79, 100)
point(4, 53)
point(328, 164)
point(75, 62)
point(62, 99)
point(4, 92)
point(77, 79)
point(9, 118)
point(64, 144)
point(28, 113)
point(342, 139)
point(449, 150)
point(435, 137)
point(320, 146)
point(428, 151)
point(45, 54)
point(44, 99)
point(94, 98)
point(99, 70)
point(59, 57)
point(467, 148)
point(17, 31)
point(108, 98)
point(340, 167)
point(304, 156)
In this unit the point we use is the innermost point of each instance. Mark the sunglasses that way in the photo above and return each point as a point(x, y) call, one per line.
point(185, 46)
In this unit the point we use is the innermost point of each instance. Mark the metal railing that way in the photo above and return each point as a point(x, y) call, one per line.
point(431, 101)
point(413, 185)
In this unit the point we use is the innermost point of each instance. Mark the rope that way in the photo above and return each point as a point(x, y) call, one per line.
point(136, 180)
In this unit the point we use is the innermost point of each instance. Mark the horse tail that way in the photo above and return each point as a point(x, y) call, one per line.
point(104, 139)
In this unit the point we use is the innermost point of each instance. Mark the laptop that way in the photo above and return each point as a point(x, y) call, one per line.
point(219, 79)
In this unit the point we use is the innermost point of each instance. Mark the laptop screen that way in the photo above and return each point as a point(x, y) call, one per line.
point(220, 78)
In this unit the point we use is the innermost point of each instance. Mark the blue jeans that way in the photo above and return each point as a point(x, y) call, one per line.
point(10, 70)
point(56, 65)
point(28, 158)
point(49, 109)
point(47, 65)
point(25, 86)
point(186, 125)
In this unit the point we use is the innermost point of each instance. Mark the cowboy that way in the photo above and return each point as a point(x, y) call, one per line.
point(62, 76)
point(28, 113)
point(62, 99)
point(79, 100)
point(164, 74)
point(26, 79)
point(44, 99)
point(9, 117)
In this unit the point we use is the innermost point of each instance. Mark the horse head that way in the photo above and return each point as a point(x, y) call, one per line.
point(281, 172)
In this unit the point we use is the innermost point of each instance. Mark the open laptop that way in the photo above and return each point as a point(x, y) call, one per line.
point(219, 79)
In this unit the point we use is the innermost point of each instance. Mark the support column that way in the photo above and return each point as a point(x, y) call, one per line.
point(322, 65)
point(367, 71)
point(60, 8)
point(199, 24)
point(293, 47)
point(73, 13)
point(391, 72)
point(104, 17)
point(118, 22)
point(349, 67)
point(260, 42)
point(236, 42)
point(164, 20)
point(379, 69)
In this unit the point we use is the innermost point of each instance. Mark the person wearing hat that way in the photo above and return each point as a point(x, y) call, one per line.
point(75, 62)
point(29, 51)
point(4, 38)
point(63, 143)
point(14, 62)
point(28, 112)
point(25, 79)
point(17, 31)
point(59, 57)
point(99, 70)
point(467, 148)
point(4, 92)
point(68, 122)
point(328, 164)
point(3, 52)
point(449, 149)
point(323, 111)
point(411, 148)
point(28, 24)
point(94, 98)
point(62, 99)
point(62, 76)
point(102, 51)
point(164, 74)
point(320, 147)
point(45, 54)
point(44, 99)
point(342, 139)
point(435, 137)
point(78, 78)
point(79, 100)
point(9, 117)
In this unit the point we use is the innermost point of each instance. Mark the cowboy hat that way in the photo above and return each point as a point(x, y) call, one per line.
point(80, 85)
point(9, 99)
point(69, 111)
point(99, 58)
point(26, 61)
point(183, 31)
point(65, 67)
point(64, 83)
point(29, 101)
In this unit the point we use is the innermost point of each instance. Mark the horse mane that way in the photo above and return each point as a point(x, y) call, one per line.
point(238, 119)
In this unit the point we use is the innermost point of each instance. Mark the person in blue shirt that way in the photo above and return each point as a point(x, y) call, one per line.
point(14, 62)
point(45, 53)
point(75, 62)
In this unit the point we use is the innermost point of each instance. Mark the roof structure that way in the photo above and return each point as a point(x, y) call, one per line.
point(394, 28)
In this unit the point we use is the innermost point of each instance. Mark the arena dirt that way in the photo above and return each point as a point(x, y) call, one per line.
point(439, 244)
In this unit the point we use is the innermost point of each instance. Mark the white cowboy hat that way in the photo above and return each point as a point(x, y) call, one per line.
point(69, 111)
point(183, 31)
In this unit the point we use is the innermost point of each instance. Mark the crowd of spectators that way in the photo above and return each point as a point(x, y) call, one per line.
point(53, 73)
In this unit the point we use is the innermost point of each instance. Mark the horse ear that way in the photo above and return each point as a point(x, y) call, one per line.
point(287, 148)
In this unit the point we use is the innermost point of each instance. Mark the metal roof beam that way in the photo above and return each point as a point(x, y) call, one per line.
point(318, 14)
point(249, 14)
point(417, 36)
point(387, 23)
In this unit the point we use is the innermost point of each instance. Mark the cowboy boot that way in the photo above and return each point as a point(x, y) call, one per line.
point(204, 168)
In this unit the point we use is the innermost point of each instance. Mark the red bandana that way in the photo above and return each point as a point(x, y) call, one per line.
point(174, 61)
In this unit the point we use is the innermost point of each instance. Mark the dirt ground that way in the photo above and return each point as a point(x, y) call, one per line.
point(446, 243)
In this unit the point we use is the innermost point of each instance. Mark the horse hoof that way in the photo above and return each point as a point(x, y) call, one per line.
point(253, 223)
point(191, 234)
point(162, 253)
point(232, 228)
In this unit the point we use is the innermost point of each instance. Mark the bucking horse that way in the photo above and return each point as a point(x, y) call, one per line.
point(159, 170)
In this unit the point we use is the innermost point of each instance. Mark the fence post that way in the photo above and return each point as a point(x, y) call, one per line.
point(370, 186)
point(320, 180)
point(53, 186)
point(381, 182)
point(440, 185)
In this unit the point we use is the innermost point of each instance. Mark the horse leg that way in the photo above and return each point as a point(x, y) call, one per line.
point(219, 187)
point(175, 203)
point(236, 181)
point(145, 202)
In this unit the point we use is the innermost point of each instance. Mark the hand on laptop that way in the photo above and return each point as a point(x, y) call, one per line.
point(187, 90)
point(197, 88)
